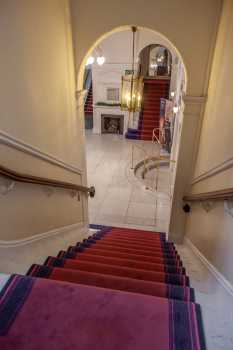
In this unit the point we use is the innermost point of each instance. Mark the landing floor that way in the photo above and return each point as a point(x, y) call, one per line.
point(121, 198)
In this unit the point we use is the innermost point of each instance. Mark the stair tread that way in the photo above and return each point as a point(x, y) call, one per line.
point(126, 284)
point(120, 280)
point(95, 251)
point(83, 312)
point(113, 267)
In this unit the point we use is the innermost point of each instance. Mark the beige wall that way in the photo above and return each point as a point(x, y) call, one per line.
point(216, 138)
point(212, 232)
point(37, 87)
point(184, 23)
point(38, 108)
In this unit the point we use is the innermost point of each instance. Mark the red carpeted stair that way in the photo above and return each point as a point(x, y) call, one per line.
point(154, 90)
point(88, 108)
point(118, 289)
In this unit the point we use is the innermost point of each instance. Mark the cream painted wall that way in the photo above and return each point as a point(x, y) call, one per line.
point(184, 23)
point(37, 89)
point(38, 107)
point(212, 232)
point(216, 140)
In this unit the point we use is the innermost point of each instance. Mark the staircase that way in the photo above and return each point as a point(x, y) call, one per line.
point(118, 289)
point(154, 90)
point(88, 108)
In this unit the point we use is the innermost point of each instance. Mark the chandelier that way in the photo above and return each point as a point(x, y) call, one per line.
point(132, 85)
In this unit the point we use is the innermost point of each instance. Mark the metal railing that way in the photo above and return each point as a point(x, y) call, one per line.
point(153, 159)
point(134, 146)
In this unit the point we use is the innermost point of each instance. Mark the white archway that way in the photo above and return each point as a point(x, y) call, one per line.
point(149, 36)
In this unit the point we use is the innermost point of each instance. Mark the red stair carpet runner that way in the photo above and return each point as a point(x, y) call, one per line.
point(88, 108)
point(154, 90)
point(119, 289)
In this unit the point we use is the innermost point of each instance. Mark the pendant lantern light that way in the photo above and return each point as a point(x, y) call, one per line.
point(132, 86)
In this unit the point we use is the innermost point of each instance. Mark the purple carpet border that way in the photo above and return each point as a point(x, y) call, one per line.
point(12, 298)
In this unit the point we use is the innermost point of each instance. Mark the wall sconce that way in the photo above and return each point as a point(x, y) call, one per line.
point(90, 60)
point(100, 57)
point(100, 60)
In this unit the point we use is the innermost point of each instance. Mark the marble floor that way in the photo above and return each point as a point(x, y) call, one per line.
point(121, 197)
point(123, 200)
point(216, 303)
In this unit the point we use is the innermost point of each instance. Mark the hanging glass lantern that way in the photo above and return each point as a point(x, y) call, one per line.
point(131, 93)
point(132, 86)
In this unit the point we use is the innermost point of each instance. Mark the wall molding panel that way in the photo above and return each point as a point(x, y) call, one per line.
point(40, 236)
point(226, 165)
point(18, 256)
point(24, 147)
point(217, 274)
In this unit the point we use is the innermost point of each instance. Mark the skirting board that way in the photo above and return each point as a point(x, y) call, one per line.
point(38, 237)
point(220, 278)
point(18, 256)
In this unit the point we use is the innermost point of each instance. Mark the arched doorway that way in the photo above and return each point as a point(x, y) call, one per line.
point(155, 61)
point(170, 67)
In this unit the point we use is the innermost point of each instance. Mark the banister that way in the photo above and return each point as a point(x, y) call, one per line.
point(25, 178)
point(211, 196)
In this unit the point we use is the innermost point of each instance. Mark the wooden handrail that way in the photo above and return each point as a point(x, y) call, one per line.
point(213, 196)
point(15, 176)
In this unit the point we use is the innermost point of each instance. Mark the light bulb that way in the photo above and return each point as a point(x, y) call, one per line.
point(100, 60)
point(90, 60)
point(172, 93)
point(175, 109)
point(127, 96)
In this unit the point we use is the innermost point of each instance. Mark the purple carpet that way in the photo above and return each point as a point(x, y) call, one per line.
point(119, 289)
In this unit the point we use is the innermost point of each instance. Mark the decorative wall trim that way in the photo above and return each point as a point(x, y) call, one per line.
point(194, 99)
point(80, 96)
point(227, 164)
point(40, 236)
point(220, 278)
point(193, 105)
point(24, 147)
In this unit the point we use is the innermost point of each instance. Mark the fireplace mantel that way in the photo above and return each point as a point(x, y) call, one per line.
point(113, 110)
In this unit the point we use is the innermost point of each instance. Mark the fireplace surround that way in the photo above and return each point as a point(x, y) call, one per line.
point(112, 124)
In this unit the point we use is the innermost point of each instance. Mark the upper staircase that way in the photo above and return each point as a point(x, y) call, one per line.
point(154, 90)
point(118, 289)
point(88, 107)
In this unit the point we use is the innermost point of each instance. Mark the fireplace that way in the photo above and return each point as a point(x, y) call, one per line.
point(112, 124)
